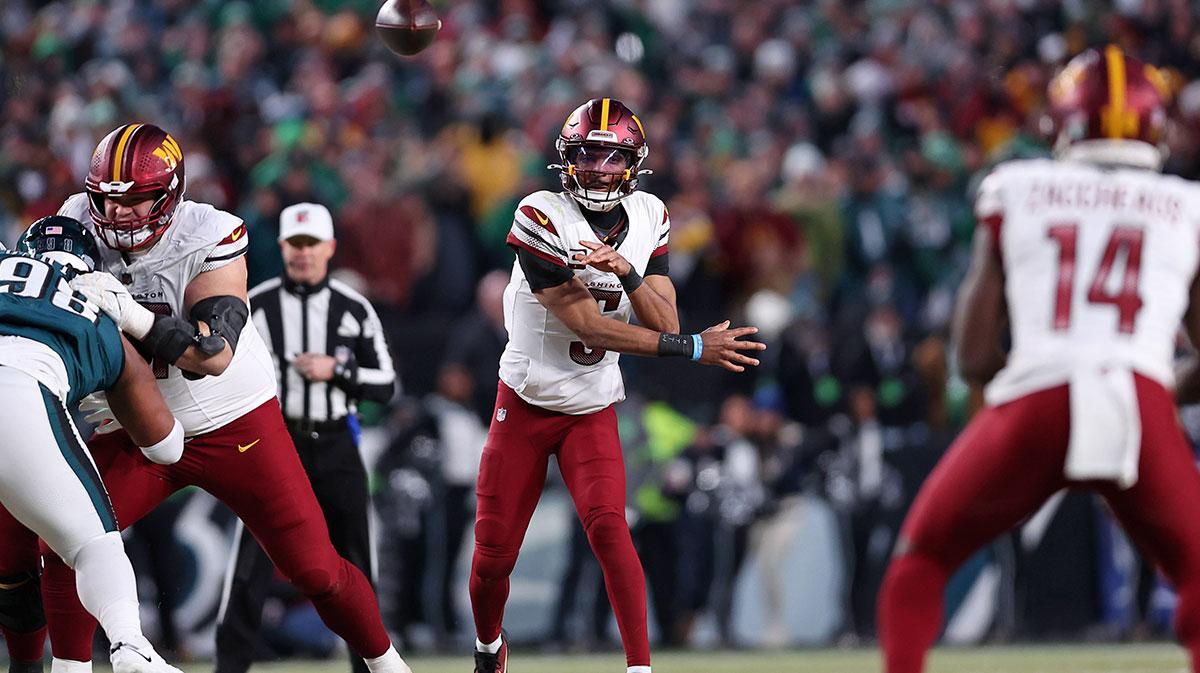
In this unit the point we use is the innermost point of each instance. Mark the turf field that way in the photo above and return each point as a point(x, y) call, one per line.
point(1155, 658)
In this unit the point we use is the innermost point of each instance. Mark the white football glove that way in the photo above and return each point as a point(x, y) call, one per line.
point(104, 290)
point(101, 416)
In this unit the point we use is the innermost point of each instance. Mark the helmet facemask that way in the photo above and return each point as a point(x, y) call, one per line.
point(135, 233)
point(598, 176)
point(601, 148)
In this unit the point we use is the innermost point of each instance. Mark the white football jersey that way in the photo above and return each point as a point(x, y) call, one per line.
point(200, 238)
point(544, 362)
point(1098, 264)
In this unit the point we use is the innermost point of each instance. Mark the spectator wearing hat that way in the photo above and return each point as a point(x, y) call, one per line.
point(330, 352)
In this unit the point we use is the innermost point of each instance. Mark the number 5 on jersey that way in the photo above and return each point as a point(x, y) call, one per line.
point(1125, 241)
point(609, 300)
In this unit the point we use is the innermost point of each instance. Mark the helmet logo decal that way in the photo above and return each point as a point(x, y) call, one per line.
point(1117, 120)
point(605, 136)
point(116, 187)
point(169, 152)
point(119, 156)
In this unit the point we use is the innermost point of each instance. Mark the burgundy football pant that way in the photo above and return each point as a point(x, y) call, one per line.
point(512, 473)
point(18, 560)
point(251, 466)
point(1006, 463)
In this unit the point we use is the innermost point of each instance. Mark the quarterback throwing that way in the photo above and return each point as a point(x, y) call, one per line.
point(588, 258)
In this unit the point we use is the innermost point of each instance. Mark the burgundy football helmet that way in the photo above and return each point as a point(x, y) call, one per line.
point(135, 159)
point(600, 150)
point(1108, 107)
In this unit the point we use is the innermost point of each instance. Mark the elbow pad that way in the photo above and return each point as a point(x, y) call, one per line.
point(226, 316)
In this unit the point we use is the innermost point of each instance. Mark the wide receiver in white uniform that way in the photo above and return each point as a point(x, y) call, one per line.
point(587, 259)
point(1093, 259)
point(180, 269)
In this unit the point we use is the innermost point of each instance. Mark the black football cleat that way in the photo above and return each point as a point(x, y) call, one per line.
point(485, 662)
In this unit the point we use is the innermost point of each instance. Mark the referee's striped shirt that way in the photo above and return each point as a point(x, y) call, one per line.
point(328, 318)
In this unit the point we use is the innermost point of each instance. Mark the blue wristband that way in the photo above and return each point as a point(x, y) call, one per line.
point(697, 346)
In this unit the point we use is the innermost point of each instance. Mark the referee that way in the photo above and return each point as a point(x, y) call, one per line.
point(330, 351)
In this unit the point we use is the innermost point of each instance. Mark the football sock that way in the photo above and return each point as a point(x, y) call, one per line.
point(638, 669)
point(490, 648)
point(25, 647)
point(71, 627)
point(624, 580)
point(70, 666)
point(388, 662)
point(108, 589)
point(352, 612)
point(20, 666)
point(910, 611)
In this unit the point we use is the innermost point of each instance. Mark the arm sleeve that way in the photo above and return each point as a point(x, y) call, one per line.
point(369, 373)
point(658, 266)
point(540, 273)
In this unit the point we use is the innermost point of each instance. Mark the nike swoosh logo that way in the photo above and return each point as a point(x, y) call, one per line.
point(541, 218)
point(237, 234)
point(243, 449)
point(121, 646)
point(10, 587)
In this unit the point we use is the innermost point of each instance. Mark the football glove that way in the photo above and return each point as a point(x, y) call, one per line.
point(104, 290)
point(101, 416)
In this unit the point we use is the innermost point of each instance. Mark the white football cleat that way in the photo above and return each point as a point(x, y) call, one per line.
point(128, 658)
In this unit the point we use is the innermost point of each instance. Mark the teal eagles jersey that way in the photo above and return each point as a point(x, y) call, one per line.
point(37, 303)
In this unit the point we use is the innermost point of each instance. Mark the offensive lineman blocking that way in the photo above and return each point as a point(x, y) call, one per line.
point(185, 259)
point(587, 259)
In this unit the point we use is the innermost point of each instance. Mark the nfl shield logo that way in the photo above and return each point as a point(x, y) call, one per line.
point(501, 414)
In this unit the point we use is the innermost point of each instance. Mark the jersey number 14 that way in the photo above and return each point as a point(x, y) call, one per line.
point(1127, 240)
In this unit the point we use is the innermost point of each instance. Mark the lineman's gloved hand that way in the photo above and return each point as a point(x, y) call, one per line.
point(100, 414)
point(104, 290)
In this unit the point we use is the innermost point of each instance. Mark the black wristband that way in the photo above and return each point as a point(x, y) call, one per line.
point(631, 281)
point(675, 345)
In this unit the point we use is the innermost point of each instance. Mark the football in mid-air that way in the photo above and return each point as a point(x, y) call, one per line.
point(407, 26)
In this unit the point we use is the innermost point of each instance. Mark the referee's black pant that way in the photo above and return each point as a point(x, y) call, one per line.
point(329, 453)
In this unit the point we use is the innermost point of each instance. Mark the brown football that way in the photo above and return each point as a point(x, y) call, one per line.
point(407, 26)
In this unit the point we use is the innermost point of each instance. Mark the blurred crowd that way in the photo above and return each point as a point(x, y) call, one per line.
point(817, 159)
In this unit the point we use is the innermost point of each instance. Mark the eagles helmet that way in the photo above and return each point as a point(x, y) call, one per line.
point(1108, 107)
point(135, 159)
point(61, 239)
point(601, 148)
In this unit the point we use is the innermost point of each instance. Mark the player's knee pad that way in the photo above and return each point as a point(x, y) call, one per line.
point(492, 563)
point(605, 521)
point(21, 602)
point(317, 583)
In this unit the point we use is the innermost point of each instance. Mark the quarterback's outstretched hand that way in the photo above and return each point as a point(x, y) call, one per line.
point(104, 290)
point(100, 414)
point(721, 347)
point(604, 258)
